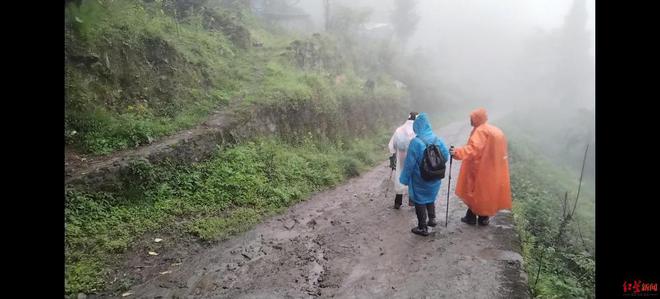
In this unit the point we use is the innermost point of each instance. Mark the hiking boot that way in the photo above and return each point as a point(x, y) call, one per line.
point(418, 231)
point(432, 222)
point(483, 220)
point(470, 218)
point(469, 221)
point(398, 200)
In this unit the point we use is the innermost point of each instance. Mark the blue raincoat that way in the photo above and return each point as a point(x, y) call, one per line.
point(419, 190)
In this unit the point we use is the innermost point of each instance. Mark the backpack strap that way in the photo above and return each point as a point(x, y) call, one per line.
point(425, 143)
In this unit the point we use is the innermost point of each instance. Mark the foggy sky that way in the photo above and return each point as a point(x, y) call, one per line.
point(545, 14)
point(477, 45)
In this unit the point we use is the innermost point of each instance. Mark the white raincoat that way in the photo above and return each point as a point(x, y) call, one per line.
point(399, 145)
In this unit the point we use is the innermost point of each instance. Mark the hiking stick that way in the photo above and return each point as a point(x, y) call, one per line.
point(388, 183)
point(448, 187)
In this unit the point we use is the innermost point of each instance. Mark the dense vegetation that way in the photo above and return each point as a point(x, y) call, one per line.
point(139, 71)
point(556, 232)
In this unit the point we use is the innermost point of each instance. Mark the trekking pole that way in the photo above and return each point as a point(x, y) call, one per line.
point(448, 186)
point(393, 166)
point(388, 183)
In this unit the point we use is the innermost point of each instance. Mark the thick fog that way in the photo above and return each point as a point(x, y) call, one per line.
point(502, 54)
point(532, 59)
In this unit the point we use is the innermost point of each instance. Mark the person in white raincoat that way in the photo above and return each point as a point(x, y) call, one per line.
point(398, 147)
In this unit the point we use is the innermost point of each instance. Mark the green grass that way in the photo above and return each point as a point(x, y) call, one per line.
point(538, 187)
point(214, 199)
point(218, 228)
point(133, 74)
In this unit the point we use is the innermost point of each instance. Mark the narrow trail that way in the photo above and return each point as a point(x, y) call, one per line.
point(77, 165)
point(348, 242)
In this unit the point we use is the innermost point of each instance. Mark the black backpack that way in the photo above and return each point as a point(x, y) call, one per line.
point(433, 163)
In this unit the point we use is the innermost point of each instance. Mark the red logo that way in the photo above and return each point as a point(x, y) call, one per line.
point(640, 288)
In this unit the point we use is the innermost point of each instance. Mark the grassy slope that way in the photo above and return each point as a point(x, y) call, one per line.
point(538, 186)
point(134, 74)
point(161, 76)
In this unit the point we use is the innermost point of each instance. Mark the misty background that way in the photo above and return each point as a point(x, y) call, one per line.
point(494, 53)
point(531, 60)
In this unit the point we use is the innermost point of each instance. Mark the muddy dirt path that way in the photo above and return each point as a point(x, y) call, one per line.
point(348, 242)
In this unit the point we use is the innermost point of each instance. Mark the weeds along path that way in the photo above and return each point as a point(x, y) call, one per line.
point(349, 243)
point(78, 166)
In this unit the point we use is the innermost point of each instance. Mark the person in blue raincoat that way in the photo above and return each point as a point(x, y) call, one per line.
point(423, 193)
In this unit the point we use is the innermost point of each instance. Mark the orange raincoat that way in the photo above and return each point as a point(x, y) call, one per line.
point(483, 183)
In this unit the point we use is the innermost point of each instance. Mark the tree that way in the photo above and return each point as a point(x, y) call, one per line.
point(326, 14)
point(576, 69)
point(345, 22)
point(557, 69)
point(404, 19)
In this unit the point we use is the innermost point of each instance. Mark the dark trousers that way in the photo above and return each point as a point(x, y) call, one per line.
point(398, 200)
point(421, 211)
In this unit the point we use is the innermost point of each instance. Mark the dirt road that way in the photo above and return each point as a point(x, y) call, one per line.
point(348, 242)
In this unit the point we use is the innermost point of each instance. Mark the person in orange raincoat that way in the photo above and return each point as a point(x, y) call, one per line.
point(483, 183)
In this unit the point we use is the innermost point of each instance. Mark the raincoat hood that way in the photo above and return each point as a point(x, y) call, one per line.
point(422, 126)
point(478, 117)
